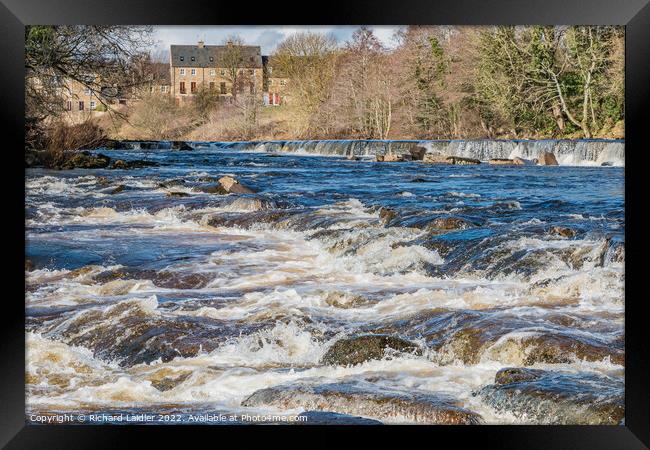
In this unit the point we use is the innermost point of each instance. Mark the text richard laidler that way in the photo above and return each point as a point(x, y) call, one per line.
point(163, 418)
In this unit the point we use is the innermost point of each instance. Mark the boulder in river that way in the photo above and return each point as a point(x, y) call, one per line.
point(86, 160)
point(379, 158)
point(358, 349)
point(547, 159)
point(365, 399)
point(417, 152)
point(550, 397)
point(233, 186)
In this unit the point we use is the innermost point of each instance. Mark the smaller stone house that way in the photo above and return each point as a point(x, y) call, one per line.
point(275, 84)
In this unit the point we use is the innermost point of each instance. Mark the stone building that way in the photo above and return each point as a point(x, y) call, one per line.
point(193, 67)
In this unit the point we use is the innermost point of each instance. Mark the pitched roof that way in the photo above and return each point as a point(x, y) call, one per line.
point(251, 56)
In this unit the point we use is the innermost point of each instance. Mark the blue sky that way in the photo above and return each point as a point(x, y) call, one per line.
point(267, 37)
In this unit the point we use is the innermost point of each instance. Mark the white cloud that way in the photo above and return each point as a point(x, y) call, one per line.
point(268, 37)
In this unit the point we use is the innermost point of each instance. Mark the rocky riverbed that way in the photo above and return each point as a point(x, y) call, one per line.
point(238, 282)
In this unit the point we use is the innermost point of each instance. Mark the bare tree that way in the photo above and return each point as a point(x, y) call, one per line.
point(95, 56)
point(232, 60)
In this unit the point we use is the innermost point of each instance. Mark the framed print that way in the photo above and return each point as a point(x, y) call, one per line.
point(406, 216)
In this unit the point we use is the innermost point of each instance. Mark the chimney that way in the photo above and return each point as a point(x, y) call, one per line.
point(229, 42)
point(201, 44)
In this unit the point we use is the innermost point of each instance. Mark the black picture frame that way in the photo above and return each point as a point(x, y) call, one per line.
point(634, 14)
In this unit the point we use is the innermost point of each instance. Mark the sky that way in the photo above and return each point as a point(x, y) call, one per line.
point(268, 37)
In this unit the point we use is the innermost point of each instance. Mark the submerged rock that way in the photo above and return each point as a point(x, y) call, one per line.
point(177, 194)
point(489, 340)
point(166, 379)
point(359, 349)
point(387, 214)
point(449, 223)
point(170, 183)
point(549, 397)
point(562, 231)
point(119, 188)
point(366, 399)
point(233, 186)
point(121, 164)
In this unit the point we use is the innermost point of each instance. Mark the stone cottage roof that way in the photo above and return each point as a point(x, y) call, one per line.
point(199, 56)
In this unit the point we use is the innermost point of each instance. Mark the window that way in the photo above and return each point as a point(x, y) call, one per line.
point(222, 87)
point(68, 105)
point(182, 58)
point(251, 71)
point(193, 71)
point(251, 86)
point(283, 82)
point(193, 87)
point(193, 58)
point(93, 105)
point(182, 87)
point(81, 106)
point(212, 85)
point(270, 82)
point(164, 89)
point(211, 58)
point(182, 72)
point(213, 72)
point(87, 91)
point(223, 72)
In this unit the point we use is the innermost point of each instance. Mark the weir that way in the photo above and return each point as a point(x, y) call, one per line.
point(587, 152)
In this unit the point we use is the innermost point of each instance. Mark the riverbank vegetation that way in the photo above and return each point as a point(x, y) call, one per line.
point(434, 82)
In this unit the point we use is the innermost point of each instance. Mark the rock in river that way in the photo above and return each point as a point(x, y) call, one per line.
point(562, 231)
point(436, 158)
point(366, 399)
point(358, 349)
point(233, 186)
point(545, 397)
point(86, 160)
point(547, 159)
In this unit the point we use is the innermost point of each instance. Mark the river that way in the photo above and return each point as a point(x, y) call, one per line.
point(143, 301)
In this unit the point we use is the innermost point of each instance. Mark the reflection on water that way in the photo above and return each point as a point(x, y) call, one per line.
point(139, 301)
